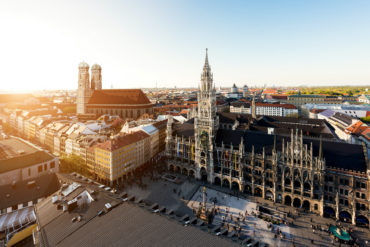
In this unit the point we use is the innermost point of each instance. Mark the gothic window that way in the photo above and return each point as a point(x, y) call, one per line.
point(287, 182)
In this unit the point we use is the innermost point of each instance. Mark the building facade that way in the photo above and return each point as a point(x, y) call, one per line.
point(117, 158)
point(265, 109)
point(328, 178)
point(21, 161)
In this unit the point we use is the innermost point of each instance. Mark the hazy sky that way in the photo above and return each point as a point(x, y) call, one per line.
point(139, 43)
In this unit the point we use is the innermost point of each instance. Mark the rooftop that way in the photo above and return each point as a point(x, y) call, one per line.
point(122, 140)
point(17, 218)
point(337, 154)
point(16, 154)
point(119, 96)
point(13, 147)
point(28, 190)
point(126, 224)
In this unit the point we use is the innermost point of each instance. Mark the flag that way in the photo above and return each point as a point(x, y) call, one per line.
point(192, 151)
point(178, 149)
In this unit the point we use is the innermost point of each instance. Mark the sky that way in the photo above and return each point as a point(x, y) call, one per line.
point(142, 44)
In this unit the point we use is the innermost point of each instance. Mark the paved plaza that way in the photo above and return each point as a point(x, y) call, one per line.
point(184, 196)
point(235, 212)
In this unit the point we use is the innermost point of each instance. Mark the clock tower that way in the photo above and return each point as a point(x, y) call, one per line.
point(205, 125)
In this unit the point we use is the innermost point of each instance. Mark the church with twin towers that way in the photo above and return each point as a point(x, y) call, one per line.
point(326, 177)
point(93, 100)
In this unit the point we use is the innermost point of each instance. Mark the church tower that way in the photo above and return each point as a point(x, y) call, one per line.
point(96, 81)
point(205, 124)
point(84, 91)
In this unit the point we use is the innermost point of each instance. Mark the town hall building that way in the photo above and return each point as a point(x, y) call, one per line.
point(330, 178)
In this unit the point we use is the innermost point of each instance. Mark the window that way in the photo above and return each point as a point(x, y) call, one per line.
point(45, 167)
point(40, 169)
point(357, 194)
point(29, 171)
point(346, 192)
point(52, 165)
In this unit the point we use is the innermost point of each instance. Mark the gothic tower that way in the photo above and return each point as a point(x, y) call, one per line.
point(84, 91)
point(205, 125)
point(96, 81)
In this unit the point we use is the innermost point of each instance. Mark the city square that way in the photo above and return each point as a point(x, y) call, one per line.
point(300, 228)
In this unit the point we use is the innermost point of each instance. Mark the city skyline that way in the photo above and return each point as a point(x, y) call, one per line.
point(146, 44)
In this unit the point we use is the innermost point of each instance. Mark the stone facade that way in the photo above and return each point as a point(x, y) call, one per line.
point(328, 178)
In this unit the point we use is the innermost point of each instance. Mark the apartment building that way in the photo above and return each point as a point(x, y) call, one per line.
point(265, 109)
point(118, 157)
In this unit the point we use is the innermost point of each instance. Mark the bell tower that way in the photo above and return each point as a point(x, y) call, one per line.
point(205, 124)
point(84, 90)
point(96, 81)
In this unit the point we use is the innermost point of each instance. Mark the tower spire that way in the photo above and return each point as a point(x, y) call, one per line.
point(206, 61)
point(206, 77)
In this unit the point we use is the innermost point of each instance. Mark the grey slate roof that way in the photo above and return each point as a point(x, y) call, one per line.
point(337, 154)
point(21, 193)
point(24, 161)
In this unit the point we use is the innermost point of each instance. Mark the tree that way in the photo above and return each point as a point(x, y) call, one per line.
point(73, 163)
point(365, 119)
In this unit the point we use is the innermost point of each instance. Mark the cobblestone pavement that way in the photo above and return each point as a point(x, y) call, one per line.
point(176, 196)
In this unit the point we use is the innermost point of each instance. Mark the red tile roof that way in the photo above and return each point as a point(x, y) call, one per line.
point(281, 96)
point(184, 111)
point(366, 133)
point(355, 128)
point(270, 91)
point(119, 96)
point(317, 110)
point(161, 124)
point(122, 140)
